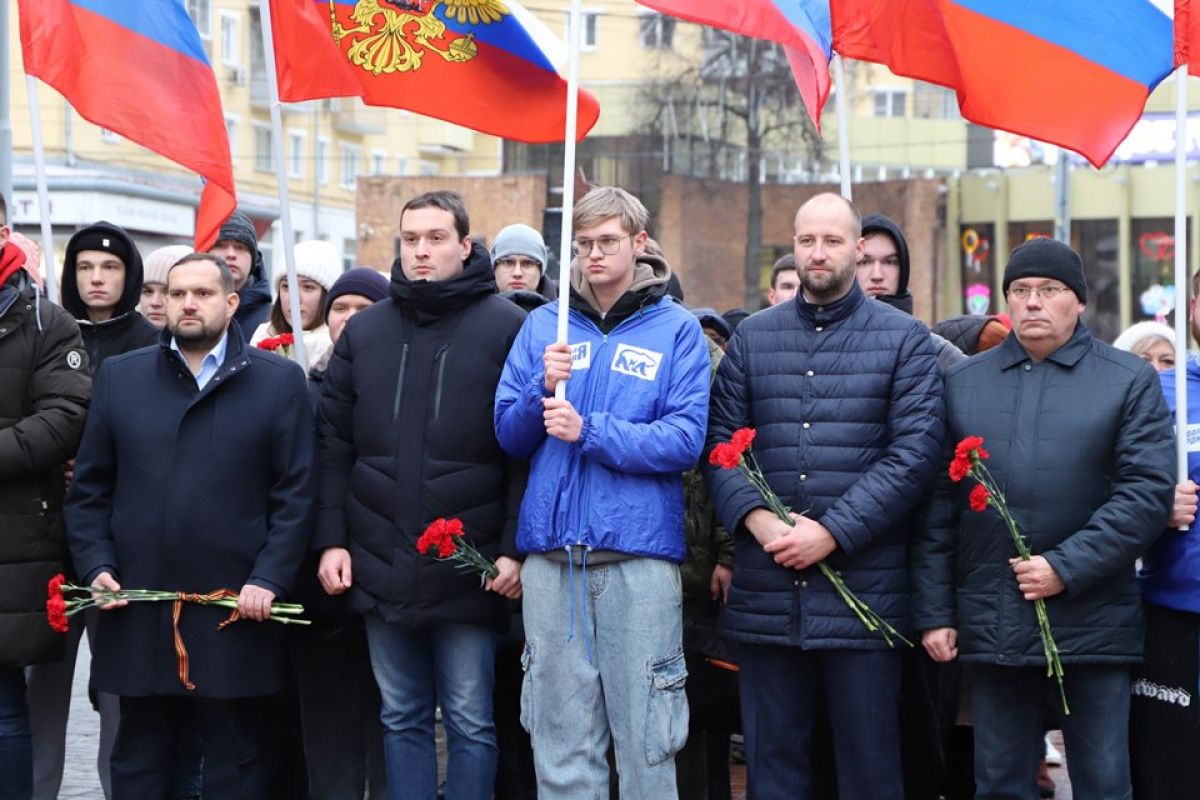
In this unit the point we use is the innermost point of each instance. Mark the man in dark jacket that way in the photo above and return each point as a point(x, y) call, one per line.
point(179, 486)
point(406, 438)
point(1081, 443)
point(847, 402)
point(101, 287)
point(519, 258)
point(44, 391)
point(237, 245)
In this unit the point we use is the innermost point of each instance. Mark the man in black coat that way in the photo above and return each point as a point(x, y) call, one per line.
point(44, 391)
point(406, 438)
point(845, 395)
point(1080, 442)
point(196, 474)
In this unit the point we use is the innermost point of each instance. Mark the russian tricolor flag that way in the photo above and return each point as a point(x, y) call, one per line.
point(490, 67)
point(137, 67)
point(803, 27)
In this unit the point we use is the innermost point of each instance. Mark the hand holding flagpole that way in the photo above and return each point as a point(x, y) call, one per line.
point(575, 33)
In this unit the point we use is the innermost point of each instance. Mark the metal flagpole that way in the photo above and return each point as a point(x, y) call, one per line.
point(575, 29)
point(285, 203)
point(839, 98)
point(1181, 276)
point(39, 164)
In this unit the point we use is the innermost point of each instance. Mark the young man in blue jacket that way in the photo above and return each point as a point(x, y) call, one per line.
point(602, 519)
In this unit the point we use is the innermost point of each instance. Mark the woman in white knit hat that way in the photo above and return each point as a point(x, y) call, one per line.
point(153, 304)
point(318, 265)
point(1153, 341)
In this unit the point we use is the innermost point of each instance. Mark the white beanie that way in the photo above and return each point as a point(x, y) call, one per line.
point(316, 260)
point(1141, 330)
point(159, 263)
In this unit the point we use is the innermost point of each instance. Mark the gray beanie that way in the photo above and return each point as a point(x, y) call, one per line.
point(1047, 258)
point(519, 240)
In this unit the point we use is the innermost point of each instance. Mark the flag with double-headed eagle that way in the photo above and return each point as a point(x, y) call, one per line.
point(138, 68)
point(488, 65)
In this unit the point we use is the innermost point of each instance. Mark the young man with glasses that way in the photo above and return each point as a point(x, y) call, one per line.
point(602, 519)
point(1081, 442)
point(519, 260)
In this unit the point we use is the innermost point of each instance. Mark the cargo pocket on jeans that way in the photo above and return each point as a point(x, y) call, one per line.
point(527, 688)
point(667, 709)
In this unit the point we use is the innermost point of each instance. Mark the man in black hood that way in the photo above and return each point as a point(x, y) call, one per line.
point(101, 287)
point(237, 245)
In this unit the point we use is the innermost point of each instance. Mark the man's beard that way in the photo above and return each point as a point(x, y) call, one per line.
point(831, 285)
point(196, 340)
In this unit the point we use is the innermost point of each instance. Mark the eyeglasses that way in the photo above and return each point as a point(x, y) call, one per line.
point(609, 245)
point(511, 264)
point(1022, 293)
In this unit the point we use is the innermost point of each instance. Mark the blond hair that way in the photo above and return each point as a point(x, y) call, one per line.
point(606, 202)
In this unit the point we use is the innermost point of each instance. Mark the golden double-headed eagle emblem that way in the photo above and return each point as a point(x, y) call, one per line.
point(394, 35)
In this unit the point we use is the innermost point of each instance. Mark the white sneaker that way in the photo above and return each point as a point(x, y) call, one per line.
point(1053, 757)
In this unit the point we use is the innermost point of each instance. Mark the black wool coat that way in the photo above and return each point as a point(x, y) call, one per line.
point(44, 391)
point(406, 437)
point(193, 491)
point(1081, 444)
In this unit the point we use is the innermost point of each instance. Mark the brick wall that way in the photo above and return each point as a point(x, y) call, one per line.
point(493, 202)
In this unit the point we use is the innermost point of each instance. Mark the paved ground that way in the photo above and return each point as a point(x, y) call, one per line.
point(80, 781)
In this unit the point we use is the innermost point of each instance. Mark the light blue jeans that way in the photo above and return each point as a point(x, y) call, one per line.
point(418, 669)
point(628, 618)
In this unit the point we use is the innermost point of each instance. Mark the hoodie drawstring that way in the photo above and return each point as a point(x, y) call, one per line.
point(583, 589)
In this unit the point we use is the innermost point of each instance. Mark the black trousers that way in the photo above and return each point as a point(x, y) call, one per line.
point(232, 736)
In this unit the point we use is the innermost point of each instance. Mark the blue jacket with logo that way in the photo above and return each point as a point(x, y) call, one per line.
point(1170, 574)
point(642, 390)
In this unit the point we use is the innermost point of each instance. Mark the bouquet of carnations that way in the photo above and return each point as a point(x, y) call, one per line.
point(281, 344)
point(738, 454)
point(968, 463)
point(446, 537)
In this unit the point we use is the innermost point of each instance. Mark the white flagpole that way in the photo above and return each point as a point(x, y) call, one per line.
point(1181, 276)
point(568, 202)
point(285, 203)
point(843, 123)
point(39, 164)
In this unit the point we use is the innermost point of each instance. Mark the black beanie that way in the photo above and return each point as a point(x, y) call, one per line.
point(103, 240)
point(1047, 258)
point(239, 228)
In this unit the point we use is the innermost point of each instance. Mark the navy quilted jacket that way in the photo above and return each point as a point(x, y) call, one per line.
point(847, 402)
point(1082, 446)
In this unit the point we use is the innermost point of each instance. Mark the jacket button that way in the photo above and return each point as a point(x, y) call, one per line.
point(809, 374)
point(1028, 367)
point(806, 426)
point(804, 477)
point(803, 584)
point(795, 583)
point(819, 329)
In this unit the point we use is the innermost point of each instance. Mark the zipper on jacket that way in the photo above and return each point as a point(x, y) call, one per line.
point(584, 409)
point(400, 383)
point(440, 361)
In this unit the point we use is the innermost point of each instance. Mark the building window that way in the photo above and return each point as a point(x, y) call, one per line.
point(427, 167)
point(378, 158)
point(1153, 268)
point(349, 254)
point(264, 154)
point(401, 165)
point(590, 28)
point(295, 154)
point(657, 32)
point(348, 166)
point(201, 13)
point(231, 45)
point(322, 161)
point(231, 134)
point(890, 102)
point(111, 137)
point(934, 102)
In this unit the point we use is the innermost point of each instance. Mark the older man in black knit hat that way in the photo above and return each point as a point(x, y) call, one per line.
point(1081, 442)
point(237, 246)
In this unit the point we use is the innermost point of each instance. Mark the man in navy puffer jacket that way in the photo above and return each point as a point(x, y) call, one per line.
point(847, 403)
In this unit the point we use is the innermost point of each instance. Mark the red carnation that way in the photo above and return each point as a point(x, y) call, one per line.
point(56, 613)
point(959, 468)
point(273, 343)
point(742, 439)
point(433, 536)
point(725, 456)
point(979, 498)
point(454, 527)
point(54, 587)
point(968, 445)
